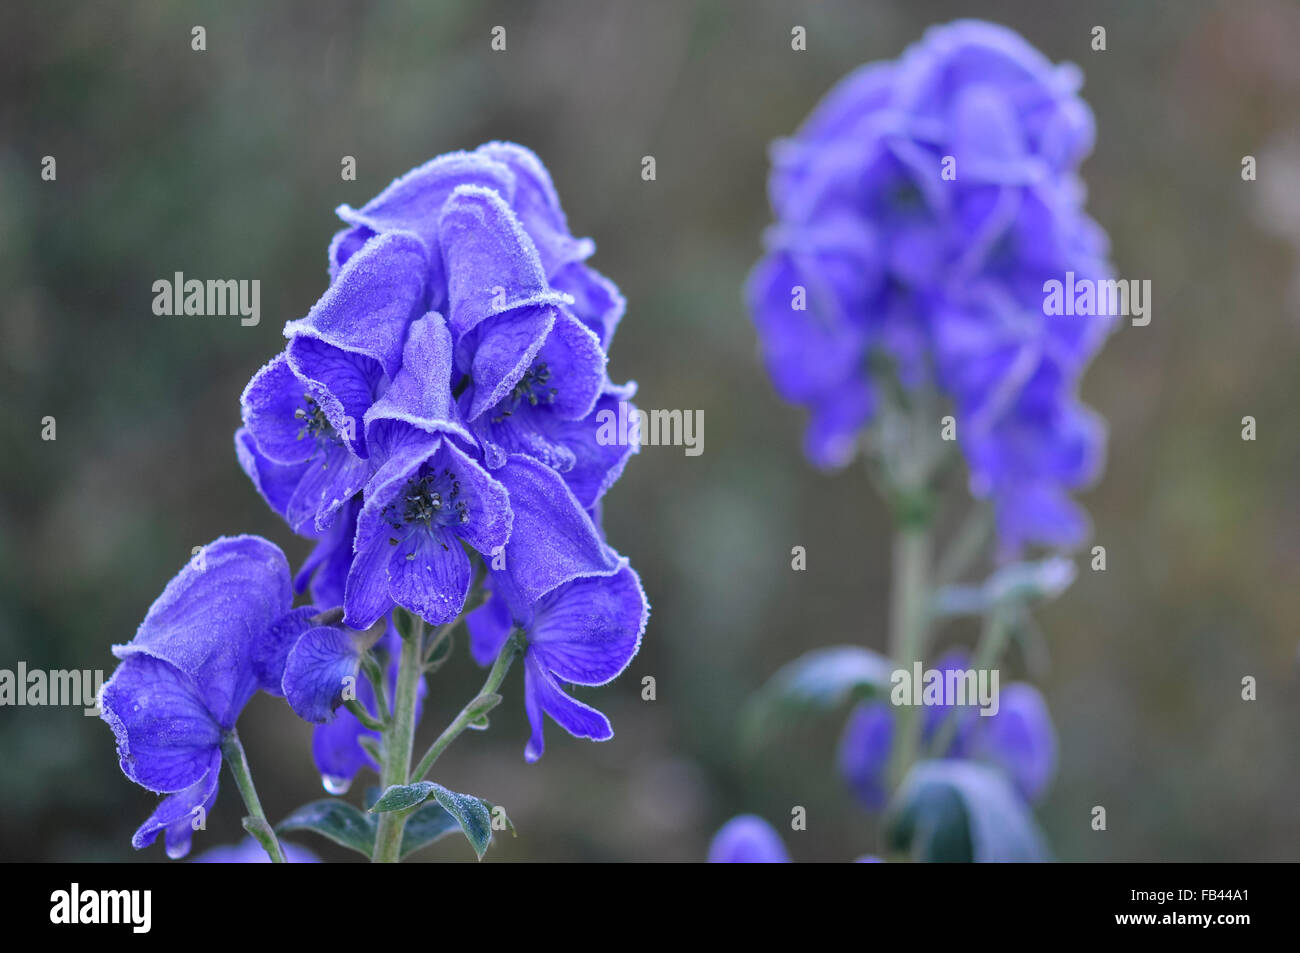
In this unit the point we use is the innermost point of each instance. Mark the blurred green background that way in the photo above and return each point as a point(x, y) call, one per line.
point(226, 163)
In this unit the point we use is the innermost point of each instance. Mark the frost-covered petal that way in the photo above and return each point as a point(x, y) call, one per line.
point(276, 482)
point(492, 265)
point(413, 202)
point(499, 352)
point(552, 539)
point(587, 631)
point(325, 486)
point(597, 302)
point(538, 207)
point(165, 733)
point(321, 667)
point(345, 383)
point(271, 649)
point(367, 309)
point(208, 620)
point(177, 815)
point(542, 696)
point(366, 597)
point(326, 569)
point(271, 406)
point(597, 460)
point(420, 396)
point(429, 574)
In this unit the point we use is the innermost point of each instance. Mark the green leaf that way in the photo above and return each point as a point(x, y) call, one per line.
point(429, 822)
point(343, 823)
point(815, 683)
point(472, 813)
point(401, 797)
point(962, 811)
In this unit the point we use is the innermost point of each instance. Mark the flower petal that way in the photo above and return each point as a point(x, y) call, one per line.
point(429, 574)
point(413, 202)
point(272, 649)
point(552, 539)
point(747, 839)
point(269, 406)
point(420, 396)
point(320, 667)
point(367, 309)
point(543, 696)
point(489, 626)
point(276, 482)
point(538, 206)
point(166, 736)
point(587, 631)
point(212, 614)
point(492, 265)
point(176, 814)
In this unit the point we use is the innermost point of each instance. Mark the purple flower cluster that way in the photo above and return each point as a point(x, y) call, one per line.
point(1019, 739)
point(439, 401)
point(920, 210)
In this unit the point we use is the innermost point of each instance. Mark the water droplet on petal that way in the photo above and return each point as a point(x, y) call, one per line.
point(177, 851)
point(334, 784)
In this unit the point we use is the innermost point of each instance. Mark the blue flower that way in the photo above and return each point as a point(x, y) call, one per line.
point(300, 462)
point(217, 634)
point(1018, 739)
point(583, 632)
point(314, 677)
point(747, 839)
point(460, 347)
point(920, 210)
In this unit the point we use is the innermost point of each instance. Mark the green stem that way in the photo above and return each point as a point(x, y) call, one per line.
point(908, 621)
point(232, 752)
point(359, 712)
point(399, 739)
point(965, 547)
point(374, 673)
point(471, 711)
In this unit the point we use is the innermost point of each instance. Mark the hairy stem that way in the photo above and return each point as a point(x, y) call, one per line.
point(908, 621)
point(232, 751)
point(399, 739)
point(471, 711)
